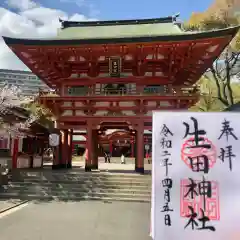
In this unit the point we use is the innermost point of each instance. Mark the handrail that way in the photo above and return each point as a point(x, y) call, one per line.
point(149, 91)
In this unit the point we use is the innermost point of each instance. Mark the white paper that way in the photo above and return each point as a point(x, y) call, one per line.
point(54, 140)
point(23, 162)
point(225, 183)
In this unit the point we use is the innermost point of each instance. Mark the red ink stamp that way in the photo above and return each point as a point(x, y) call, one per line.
point(198, 201)
point(189, 151)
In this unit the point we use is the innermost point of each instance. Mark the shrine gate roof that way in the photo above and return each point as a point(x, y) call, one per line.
point(119, 29)
point(181, 36)
point(83, 49)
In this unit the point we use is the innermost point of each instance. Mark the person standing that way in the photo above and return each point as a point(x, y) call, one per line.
point(85, 155)
point(123, 159)
point(148, 157)
point(107, 157)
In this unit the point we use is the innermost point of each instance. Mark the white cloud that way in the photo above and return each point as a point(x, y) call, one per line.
point(93, 12)
point(43, 15)
point(79, 17)
point(21, 4)
point(30, 21)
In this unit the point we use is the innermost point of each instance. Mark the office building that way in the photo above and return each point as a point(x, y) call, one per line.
point(25, 80)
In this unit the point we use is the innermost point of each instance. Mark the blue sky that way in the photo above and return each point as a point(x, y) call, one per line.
point(127, 9)
point(40, 18)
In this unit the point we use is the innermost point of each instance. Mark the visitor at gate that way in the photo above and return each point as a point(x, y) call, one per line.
point(86, 155)
point(148, 157)
point(107, 157)
point(123, 159)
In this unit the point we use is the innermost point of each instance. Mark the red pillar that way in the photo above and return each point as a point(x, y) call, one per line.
point(89, 149)
point(139, 160)
point(132, 148)
point(65, 161)
point(70, 147)
point(110, 147)
point(56, 162)
point(94, 163)
point(64, 149)
point(15, 153)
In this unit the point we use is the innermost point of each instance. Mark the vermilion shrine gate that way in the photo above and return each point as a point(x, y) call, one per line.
point(113, 74)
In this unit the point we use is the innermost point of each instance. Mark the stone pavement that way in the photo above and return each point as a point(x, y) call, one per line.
point(114, 165)
point(6, 204)
point(78, 220)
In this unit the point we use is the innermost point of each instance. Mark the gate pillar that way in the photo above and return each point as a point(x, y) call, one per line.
point(139, 160)
point(89, 149)
point(70, 144)
point(95, 149)
point(64, 148)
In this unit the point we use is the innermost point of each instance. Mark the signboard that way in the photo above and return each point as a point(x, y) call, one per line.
point(54, 140)
point(115, 66)
point(196, 176)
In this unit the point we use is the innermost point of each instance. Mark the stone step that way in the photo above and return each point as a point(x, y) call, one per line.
point(75, 196)
point(50, 198)
point(70, 188)
point(88, 192)
point(86, 181)
point(31, 174)
point(83, 183)
point(80, 177)
point(80, 186)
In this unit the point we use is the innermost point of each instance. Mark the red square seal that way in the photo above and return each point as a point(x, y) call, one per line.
point(198, 201)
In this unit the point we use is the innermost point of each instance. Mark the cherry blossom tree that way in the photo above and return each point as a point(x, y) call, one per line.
point(11, 100)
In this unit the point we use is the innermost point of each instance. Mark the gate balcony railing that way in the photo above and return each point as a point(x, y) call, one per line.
point(149, 91)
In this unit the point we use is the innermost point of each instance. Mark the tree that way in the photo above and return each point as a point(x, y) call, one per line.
point(208, 100)
point(226, 68)
point(42, 114)
point(11, 101)
point(221, 14)
point(207, 103)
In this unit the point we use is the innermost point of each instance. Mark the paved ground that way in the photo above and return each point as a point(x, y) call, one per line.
point(115, 164)
point(5, 204)
point(78, 220)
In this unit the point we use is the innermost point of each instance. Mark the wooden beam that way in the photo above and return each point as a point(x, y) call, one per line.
point(120, 108)
point(79, 142)
point(105, 80)
point(122, 98)
point(79, 133)
point(116, 119)
point(46, 55)
point(69, 126)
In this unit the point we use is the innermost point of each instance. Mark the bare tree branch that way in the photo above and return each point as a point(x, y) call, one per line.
point(225, 85)
point(234, 60)
point(224, 101)
point(217, 70)
point(230, 92)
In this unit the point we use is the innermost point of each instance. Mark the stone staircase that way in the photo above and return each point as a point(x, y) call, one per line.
point(78, 185)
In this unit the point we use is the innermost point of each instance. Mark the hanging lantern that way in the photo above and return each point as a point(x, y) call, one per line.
point(54, 140)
